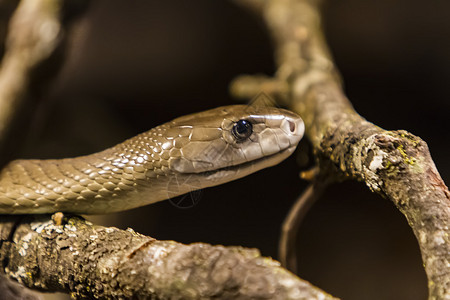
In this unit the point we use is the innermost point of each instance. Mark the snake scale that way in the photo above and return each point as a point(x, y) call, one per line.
point(191, 152)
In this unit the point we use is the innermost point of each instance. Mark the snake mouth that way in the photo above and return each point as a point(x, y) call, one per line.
point(233, 172)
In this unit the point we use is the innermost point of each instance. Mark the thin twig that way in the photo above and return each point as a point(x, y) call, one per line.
point(292, 222)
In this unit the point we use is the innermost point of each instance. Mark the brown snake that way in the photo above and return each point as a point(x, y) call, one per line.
point(189, 153)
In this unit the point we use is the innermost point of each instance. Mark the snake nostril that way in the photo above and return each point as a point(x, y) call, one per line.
point(291, 126)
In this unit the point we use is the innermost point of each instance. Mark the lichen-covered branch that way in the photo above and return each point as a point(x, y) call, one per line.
point(103, 263)
point(395, 164)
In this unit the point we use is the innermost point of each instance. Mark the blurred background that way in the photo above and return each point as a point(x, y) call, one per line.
point(132, 65)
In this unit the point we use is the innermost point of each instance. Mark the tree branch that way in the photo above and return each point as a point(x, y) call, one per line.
point(34, 42)
point(103, 263)
point(395, 164)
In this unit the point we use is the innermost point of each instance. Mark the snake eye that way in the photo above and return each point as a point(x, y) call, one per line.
point(241, 130)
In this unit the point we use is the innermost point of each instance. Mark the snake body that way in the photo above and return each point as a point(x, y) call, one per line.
point(191, 152)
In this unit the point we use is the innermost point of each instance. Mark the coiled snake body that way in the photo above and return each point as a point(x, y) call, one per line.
point(191, 152)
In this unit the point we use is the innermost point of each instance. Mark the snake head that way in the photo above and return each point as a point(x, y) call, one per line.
point(188, 153)
point(230, 142)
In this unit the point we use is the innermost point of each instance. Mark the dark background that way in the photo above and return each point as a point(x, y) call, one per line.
point(132, 65)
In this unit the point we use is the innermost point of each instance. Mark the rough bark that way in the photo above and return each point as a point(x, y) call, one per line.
point(395, 164)
point(102, 263)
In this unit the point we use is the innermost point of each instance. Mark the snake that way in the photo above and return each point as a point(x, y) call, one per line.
point(191, 152)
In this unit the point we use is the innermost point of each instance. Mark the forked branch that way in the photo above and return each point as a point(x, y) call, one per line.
point(395, 164)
